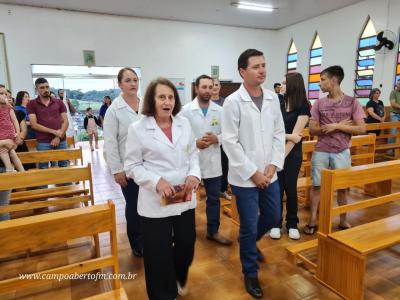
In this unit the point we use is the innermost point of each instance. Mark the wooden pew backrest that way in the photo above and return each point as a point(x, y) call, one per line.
point(72, 154)
point(31, 143)
point(49, 229)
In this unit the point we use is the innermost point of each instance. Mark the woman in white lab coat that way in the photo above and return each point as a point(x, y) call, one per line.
point(161, 154)
point(120, 114)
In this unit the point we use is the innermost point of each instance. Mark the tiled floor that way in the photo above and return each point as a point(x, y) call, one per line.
point(216, 270)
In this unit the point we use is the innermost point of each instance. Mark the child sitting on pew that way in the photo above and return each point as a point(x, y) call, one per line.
point(9, 130)
point(90, 123)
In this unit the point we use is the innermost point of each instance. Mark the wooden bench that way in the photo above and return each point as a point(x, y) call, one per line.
point(342, 255)
point(49, 229)
point(382, 140)
point(73, 155)
point(32, 143)
point(52, 176)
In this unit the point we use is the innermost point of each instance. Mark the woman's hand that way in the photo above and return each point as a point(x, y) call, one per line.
point(18, 139)
point(191, 183)
point(121, 179)
point(164, 188)
point(294, 137)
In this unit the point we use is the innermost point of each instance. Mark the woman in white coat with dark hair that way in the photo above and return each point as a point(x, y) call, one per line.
point(162, 158)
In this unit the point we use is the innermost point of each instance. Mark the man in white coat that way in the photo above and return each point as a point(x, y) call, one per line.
point(205, 118)
point(253, 137)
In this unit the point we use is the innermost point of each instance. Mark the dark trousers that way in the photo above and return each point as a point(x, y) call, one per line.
point(133, 228)
point(225, 167)
point(168, 253)
point(288, 184)
point(259, 210)
point(212, 187)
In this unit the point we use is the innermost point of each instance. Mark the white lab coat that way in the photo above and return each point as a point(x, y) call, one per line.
point(150, 155)
point(210, 158)
point(252, 139)
point(115, 129)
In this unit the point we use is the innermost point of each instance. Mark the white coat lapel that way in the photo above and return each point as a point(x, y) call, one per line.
point(177, 130)
point(244, 94)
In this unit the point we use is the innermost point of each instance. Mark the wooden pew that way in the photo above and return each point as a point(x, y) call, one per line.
point(52, 176)
point(49, 229)
point(73, 155)
point(342, 255)
point(32, 143)
point(382, 144)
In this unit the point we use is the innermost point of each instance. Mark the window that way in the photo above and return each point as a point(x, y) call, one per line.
point(292, 58)
point(398, 65)
point(315, 69)
point(84, 86)
point(365, 63)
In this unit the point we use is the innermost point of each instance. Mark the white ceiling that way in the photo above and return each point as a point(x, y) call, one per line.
point(201, 11)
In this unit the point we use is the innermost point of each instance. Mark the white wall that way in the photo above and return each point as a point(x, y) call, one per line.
point(339, 32)
point(160, 48)
point(185, 50)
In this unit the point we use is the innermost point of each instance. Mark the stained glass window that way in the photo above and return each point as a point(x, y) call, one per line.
point(292, 58)
point(398, 65)
point(365, 63)
point(315, 69)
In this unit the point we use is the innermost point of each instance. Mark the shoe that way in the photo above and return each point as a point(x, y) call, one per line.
point(344, 227)
point(253, 287)
point(275, 233)
point(137, 252)
point(97, 146)
point(91, 148)
point(225, 195)
point(216, 237)
point(182, 290)
point(310, 229)
point(260, 256)
point(294, 233)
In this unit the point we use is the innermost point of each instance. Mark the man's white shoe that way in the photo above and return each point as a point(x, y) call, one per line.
point(226, 196)
point(182, 290)
point(294, 234)
point(275, 233)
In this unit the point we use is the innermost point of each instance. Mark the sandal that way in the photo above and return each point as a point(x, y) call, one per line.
point(310, 230)
point(341, 227)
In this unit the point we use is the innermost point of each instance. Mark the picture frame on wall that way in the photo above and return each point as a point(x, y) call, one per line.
point(4, 74)
point(89, 58)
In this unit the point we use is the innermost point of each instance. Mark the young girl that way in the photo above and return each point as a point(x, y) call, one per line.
point(9, 130)
point(90, 123)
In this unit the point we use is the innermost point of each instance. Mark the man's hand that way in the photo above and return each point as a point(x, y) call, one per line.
point(269, 173)
point(329, 128)
point(59, 133)
point(260, 180)
point(55, 142)
point(210, 138)
point(202, 144)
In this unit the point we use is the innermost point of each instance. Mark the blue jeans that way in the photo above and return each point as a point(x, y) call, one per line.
point(213, 187)
point(259, 210)
point(4, 200)
point(48, 146)
point(393, 118)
